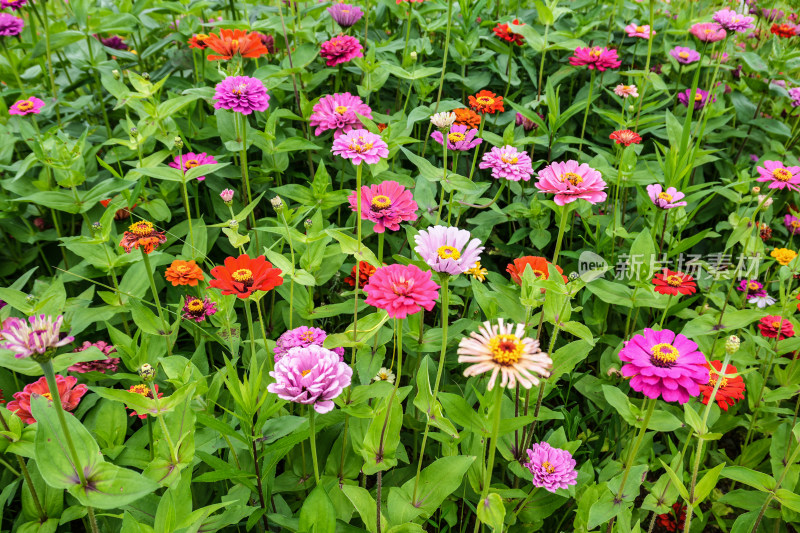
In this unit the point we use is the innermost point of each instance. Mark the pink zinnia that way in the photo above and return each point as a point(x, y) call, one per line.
point(624, 91)
point(598, 57)
point(684, 55)
point(733, 21)
point(30, 106)
point(101, 365)
point(460, 138)
point(360, 145)
point(191, 160)
point(661, 363)
point(310, 375)
point(197, 309)
point(701, 98)
point(792, 223)
point(69, 393)
point(772, 326)
point(241, 94)
point(386, 204)
point(570, 181)
point(448, 250)
point(552, 468)
point(10, 25)
point(708, 32)
point(508, 163)
point(665, 199)
point(17, 4)
point(341, 49)
point(38, 335)
point(345, 15)
point(401, 290)
point(643, 32)
point(779, 175)
point(302, 337)
point(338, 112)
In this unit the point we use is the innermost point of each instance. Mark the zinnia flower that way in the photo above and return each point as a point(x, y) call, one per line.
point(198, 40)
point(701, 98)
point(467, 117)
point(338, 112)
point(227, 196)
point(183, 273)
point(39, 335)
point(674, 283)
point(241, 94)
point(784, 30)
point(783, 256)
point(360, 145)
point(624, 91)
point(384, 374)
point(526, 123)
point(197, 309)
point(539, 265)
point(460, 138)
point(145, 391)
point(665, 199)
point(115, 42)
point(142, 235)
point(761, 300)
point(733, 21)
point(341, 49)
point(794, 94)
point(552, 468)
point(779, 175)
point(109, 364)
point(507, 163)
point(29, 106)
point(674, 520)
point(302, 337)
point(486, 102)
point(13, 4)
point(598, 57)
point(478, 272)
point(625, 137)
point(243, 276)
point(772, 326)
point(448, 249)
point(770, 15)
point(191, 160)
point(792, 224)
point(661, 363)
point(684, 55)
point(505, 351)
point(444, 120)
point(235, 42)
point(730, 390)
point(365, 270)
point(69, 393)
point(10, 25)
point(751, 287)
point(504, 32)
point(643, 32)
point(386, 204)
point(570, 181)
point(310, 375)
point(401, 290)
point(345, 15)
point(708, 32)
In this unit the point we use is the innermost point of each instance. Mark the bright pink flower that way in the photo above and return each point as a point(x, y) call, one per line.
point(341, 49)
point(31, 106)
point(507, 163)
point(733, 21)
point(643, 32)
point(39, 335)
point(779, 175)
point(191, 160)
point(310, 375)
point(401, 290)
point(360, 145)
point(386, 204)
point(570, 181)
point(241, 94)
point(101, 365)
point(302, 337)
point(552, 468)
point(684, 55)
point(708, 32)
point(338, 112)
point(460, 138)
point(665, 199)
point(69, 393)
point(598, 57)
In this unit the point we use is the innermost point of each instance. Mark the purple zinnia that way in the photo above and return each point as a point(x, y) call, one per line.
point(459, 138)
point(302, 337)
point(345, 15)
point(552, 468)
point(310, 375)
point(794, 94)
point(448, 250)
point(526, 123)
point(13, 4)
point(661, 363)
point(360, 145)
point(115, 42)
point(508, 163)
point(191, 160)
point(338, 112)
point(341, 49)
point(109, 364)
point(37, 336)
point(197, 309)
point(10, 25)
point(684, 55)
point(665, 199)
point(733, 21)
point(29, 106)
point(701, 98)
point(241, 94)
point(792, 223)
point(751, 287)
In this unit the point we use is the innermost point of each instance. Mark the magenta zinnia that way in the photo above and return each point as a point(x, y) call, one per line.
point(197, 309)
point(779, 175)
point(241, 94)
point(448, 250)
point(29, 106)
point(38, 336)
point(570, 181)
point(341, 49)
point(360, 145)
point(302, 337)
point(504, 350)
point(191, 160)
point(101, 365)
point(401, 290)
point(684, 55)
point(338, 112)
point(663, 364)
point(460, 138)
point(507, 163)
point(552, 468)
point(10, 25)
point(310, 375)
point(598, 57)
point(701, 98)
point(386, 204)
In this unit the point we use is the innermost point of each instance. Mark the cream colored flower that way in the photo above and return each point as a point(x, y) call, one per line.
point(384, 374)
point(443, 120)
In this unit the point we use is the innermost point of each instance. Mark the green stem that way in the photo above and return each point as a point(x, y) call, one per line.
point(586, 113)
point(312, 440)
point(565, 209)
point(172, 451)
point(12, 61)
point(249, 315)
point(270, 361)
point(53, 90)
point(291, 286)
point(188, 213)
point(243, 163)
point(541, 64)
point(24, 469)
point(666, 308)
point(381, 237)
point(444, 68)
point(639, 438)
point(149, 268)
point(497, 404)
point(150, 436)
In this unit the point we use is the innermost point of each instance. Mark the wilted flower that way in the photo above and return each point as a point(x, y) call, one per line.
point(37, 337)
point(310, 375)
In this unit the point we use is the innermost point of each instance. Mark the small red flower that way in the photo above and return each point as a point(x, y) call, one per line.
point(365, 271)
point(772, 326)
point(198, 41)
point(730, 391)
point(765, 232)
point(783, 30)
point(539, 265)
point(242, 276)
point(68, 391)
point(486, 102)
point(626, 137)
point(142, 235)
point(674, 520)
point(145, 391)
point(669, 282)
point(505, 33)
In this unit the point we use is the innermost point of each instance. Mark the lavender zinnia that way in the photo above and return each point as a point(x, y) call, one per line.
point(38, 336)
point(241, 94)
point(552, 468)
point(311, 376)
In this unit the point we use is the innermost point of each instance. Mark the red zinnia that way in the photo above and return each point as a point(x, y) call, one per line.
point(144, 235)
point(242, 276)
point(121, 214)
point(505, 33)
point(674, 520)
point(365, 270)
point(772, 326)
point(539, 265)
point(783, 30)
point(730, 390)
point(669, 282)
point(70, 396)
point(145, 391)
point(232, 42)
point(486, 102)
point(626, 137)
point(198, 41)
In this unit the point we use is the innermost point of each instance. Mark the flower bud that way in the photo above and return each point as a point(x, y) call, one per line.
point(308, 223)
point(763, 201)
point(178, 143)
point(134, 132)
point(115, 72)
point(573, 276)
point(413, 56)
point(146, 75)
point(233, 223)
point(227, 196)
point(732, 344)
point(147, 372)
point(97, 227)
point(277, 203)
point(756, 190)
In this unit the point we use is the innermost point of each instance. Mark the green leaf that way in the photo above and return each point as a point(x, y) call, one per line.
point(706, 484)
point(317, 514)
point(424, 398)
point(752, 478)
point(365, 506)
point(436, 482)
point(492, 512)
point(678, 482)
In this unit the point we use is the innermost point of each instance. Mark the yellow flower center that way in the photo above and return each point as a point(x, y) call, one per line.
point(191, 163)
point(596, 51)
point(201, 37)
point(753, 286)
point(381, 201)
point(674, 281)
point(664, 354)
point(139, 389)
point(341, 109)
point(304, 373)
point(242, 275)
point(572, 177)
point(639, 29)
point(25, 105)
point(456, 137)
point(781, 174)
point(698, 97)
point(235, 43)
point(683, 55)
point(307, 336)
point(448, 252)
point(665, 196)
point(548, 467)
point(485, 100)
point(506, 349)
point(402, 286)
point(510, 160)
point(713, 381)
point(239, 89)
point(776, 324)
point(141, 228)
point(360, 146)
point(48, 396)
point(195, 305)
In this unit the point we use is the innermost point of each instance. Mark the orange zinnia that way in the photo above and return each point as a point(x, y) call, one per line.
point(183, 273)
point(232, 42)
point(198, 40)
point(539, 265)
point(486, 102)
point(467, 117)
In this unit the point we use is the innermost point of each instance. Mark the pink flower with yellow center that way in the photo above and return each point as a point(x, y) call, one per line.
point(779, 175)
